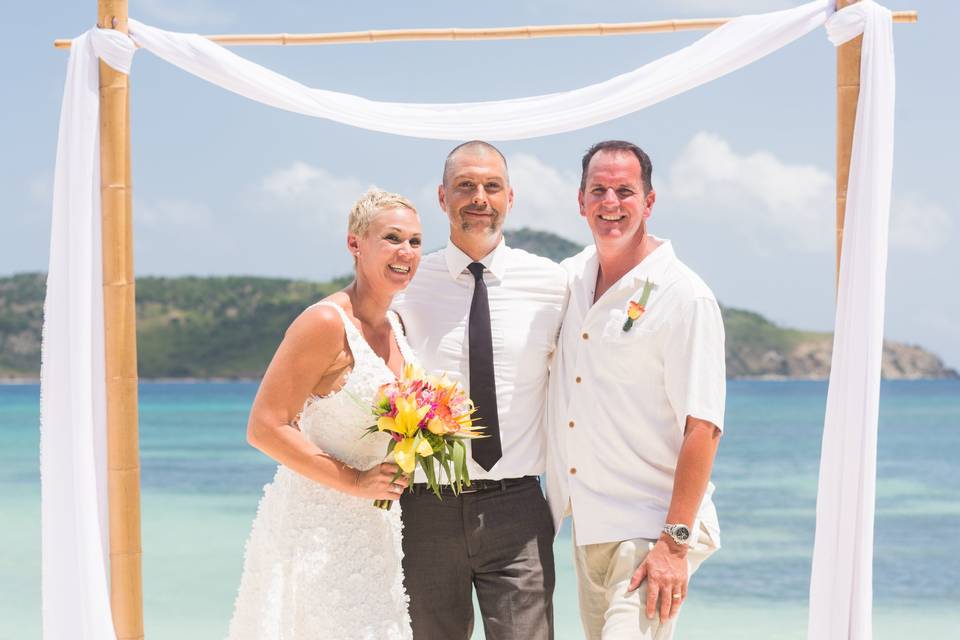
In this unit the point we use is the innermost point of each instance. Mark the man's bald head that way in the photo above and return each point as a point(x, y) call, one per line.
point(471, 148)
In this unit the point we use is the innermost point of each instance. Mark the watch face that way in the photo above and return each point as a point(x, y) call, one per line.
point(681, 533)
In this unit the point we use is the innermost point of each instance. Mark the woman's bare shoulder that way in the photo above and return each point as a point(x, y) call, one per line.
point(319, 326)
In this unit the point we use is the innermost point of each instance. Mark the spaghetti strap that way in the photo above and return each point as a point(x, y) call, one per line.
point(401, 338)
point(358, 343)
point(354, 337)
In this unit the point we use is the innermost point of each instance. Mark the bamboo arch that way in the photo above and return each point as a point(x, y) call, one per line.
point(126, 584)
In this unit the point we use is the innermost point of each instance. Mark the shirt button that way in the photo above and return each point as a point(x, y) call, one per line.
point(573, 471)
point(572, 423)
point(586, 336)
point(579, 379)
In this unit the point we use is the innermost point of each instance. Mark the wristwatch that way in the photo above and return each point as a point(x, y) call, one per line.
point(680, 533)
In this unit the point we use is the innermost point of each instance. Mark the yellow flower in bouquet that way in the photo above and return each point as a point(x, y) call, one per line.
point(428, 419)
point(406, 418)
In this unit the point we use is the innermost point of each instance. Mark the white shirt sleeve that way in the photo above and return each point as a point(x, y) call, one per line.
point(694, 368)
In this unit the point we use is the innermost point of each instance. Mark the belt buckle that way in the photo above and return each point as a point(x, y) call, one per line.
point(476, 486)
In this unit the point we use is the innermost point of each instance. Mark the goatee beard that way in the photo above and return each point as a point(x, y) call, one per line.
point(492, 228)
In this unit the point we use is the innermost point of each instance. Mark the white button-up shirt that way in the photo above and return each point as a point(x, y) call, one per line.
point(526, 295)
point(619, 399)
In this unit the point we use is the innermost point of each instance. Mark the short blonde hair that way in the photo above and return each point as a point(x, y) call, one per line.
point(370, 204)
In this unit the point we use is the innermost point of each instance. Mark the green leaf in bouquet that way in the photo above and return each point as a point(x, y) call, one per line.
point(428, 470)
point(445, 461)
point(459, 456)
point(448, 464)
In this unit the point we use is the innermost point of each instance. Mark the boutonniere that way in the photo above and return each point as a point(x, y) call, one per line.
point(637, 308)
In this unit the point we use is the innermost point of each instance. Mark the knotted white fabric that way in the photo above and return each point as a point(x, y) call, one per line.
point(73, 442)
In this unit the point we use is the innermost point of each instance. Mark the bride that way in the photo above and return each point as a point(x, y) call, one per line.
point(321, 560)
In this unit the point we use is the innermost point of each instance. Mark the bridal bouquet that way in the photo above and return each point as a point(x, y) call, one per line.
point(428, 420)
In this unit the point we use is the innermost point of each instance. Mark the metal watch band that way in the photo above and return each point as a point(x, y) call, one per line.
point(679, 533)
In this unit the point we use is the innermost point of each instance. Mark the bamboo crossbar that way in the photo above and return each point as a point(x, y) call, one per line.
point(497, 33)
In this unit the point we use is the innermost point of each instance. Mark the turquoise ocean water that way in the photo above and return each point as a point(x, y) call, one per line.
point(201, 483)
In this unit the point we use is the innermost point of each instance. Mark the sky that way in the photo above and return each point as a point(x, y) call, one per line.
point(743, 167)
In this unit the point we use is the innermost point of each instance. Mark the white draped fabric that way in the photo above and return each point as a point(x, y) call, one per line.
point(841, 583)
point(73, 447)
point(727, 49)
point(73, 450)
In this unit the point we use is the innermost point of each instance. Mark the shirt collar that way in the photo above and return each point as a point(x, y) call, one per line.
point(495, 262)
point(653, 267)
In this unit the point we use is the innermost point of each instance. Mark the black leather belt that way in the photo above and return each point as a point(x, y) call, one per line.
point(476, 486)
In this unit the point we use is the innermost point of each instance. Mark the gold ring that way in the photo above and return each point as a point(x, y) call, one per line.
point(677, 596)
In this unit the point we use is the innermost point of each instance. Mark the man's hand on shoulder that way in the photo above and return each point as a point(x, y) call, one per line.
point(665, 570)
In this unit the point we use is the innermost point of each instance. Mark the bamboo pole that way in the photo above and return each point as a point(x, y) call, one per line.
point(493, 33)
point(848, 92)
point(120, 340)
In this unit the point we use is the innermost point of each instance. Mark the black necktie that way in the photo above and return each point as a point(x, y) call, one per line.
point(483, 388)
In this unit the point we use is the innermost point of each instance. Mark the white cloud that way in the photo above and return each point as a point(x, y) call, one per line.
point(312, 193)
point(756, 189)
point(545, 198)
point(761, 195)
point(195, 13)
point(918, 224)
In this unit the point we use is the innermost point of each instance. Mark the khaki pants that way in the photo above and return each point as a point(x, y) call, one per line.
point(607, 611)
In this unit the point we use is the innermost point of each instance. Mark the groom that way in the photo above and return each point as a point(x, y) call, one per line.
point(636, 408)
point(488, 315)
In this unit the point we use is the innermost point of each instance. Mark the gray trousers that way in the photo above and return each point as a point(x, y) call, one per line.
point(497, 541)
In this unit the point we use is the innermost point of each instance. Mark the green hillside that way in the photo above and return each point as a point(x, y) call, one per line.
point(542, 243)
point(228, 327)
point(217, 327)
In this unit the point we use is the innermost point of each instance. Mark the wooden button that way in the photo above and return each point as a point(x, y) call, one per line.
point(586, 336)
point(573, 470)
point(579, 380)
point(571, 424)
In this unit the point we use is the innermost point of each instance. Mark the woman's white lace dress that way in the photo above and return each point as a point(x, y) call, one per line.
point(319, 563)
